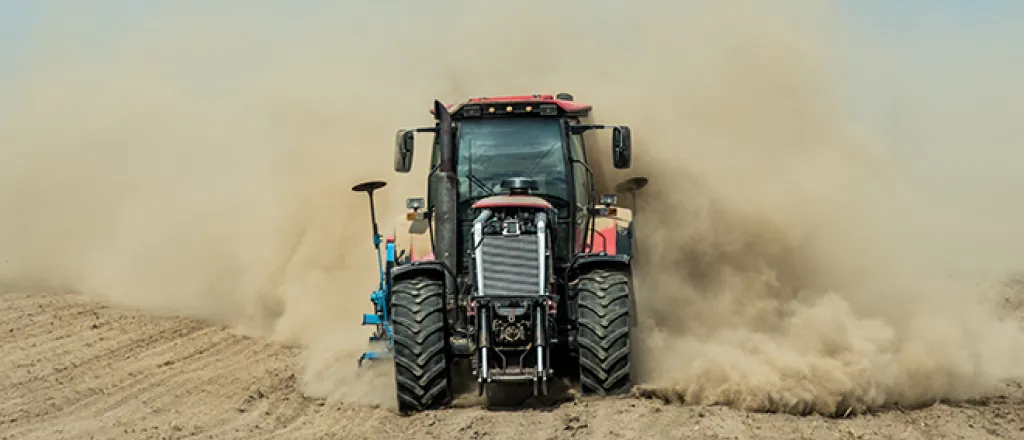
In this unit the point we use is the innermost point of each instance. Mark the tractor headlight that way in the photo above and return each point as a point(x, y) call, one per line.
point(471, 111)
point(414, 203)
point(608, 199)
point(548, 109)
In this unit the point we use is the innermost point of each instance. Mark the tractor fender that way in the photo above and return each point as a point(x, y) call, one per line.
point(585, 262)
point(431, 268)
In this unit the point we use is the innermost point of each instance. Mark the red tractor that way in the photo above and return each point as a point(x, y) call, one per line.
point(511, 262)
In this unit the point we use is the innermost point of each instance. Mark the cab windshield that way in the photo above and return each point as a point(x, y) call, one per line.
point(490, 150)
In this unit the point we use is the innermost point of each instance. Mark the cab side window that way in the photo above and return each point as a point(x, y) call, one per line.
point(582, 176)
point(435, 157)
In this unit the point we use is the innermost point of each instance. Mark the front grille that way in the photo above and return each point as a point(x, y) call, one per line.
point(510, 265)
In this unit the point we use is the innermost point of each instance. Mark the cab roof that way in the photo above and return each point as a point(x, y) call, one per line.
point(518, 105)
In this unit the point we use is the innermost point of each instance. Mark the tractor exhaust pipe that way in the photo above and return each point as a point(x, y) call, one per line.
point(446, 226)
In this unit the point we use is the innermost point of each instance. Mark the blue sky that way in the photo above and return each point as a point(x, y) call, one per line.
point(16, 20)
point(891, 19)
point(894, 23)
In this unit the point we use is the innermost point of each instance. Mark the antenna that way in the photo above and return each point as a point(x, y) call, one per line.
point(369, 188)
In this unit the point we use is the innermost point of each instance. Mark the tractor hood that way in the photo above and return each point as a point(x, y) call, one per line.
point(512, 201)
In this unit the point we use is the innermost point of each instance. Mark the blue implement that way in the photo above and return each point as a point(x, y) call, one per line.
point(381, 299)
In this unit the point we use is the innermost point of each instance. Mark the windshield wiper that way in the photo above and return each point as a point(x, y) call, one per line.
point(542, 159)
point(479, 183)
point(474, 179)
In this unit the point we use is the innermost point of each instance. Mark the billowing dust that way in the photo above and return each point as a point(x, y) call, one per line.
point(198, 162)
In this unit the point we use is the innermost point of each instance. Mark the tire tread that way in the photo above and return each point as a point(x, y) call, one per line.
point(421, 359)
point(604, 311)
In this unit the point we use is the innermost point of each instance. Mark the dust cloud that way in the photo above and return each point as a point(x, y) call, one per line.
point(198, 163)
point(792, 262)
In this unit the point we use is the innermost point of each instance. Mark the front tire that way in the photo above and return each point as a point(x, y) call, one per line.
point(422, 371)
point(603, 303)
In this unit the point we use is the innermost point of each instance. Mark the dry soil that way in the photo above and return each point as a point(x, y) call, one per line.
point(75, 369)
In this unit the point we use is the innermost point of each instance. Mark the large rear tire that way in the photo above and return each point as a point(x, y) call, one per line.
point(422, 371)
point(604, 299)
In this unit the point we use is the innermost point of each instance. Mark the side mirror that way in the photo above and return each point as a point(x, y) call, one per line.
point(622, 147)
point(403, 150)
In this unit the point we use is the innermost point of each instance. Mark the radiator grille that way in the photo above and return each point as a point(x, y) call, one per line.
point(510, 265)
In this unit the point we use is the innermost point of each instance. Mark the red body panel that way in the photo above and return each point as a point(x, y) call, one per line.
point(604, 240)
point(512, 201)
point(567, 106)
point(413, 257)
point(427, 257)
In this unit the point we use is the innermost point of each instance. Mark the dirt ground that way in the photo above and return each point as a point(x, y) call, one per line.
point(77, 370)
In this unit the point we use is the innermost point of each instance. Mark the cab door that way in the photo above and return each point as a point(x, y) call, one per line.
point(581, 183)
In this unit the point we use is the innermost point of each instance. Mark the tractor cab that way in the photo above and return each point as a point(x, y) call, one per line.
point(539, 137)
point(493, 150)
